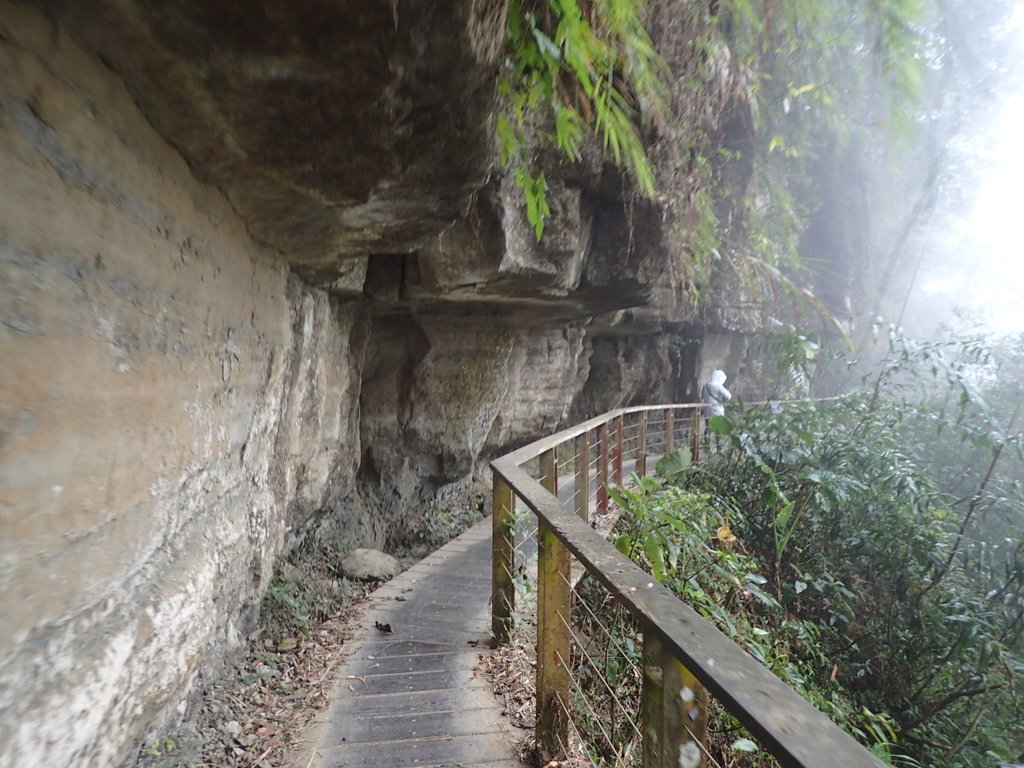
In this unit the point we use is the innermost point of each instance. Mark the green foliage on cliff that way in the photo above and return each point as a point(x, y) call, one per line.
point(816, 92)
point(787, 143)
point(756, 95)
point(826, 64)
point(589, 68)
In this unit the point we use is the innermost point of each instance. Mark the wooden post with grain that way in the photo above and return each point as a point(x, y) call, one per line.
point(553, 635)
point(673, 711)
point(502, 560)
point(617, 465)
point(582, 489)
point(695, 435)
point(641, 445)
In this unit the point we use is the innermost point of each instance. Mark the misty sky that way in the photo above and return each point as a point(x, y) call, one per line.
point(986, 240)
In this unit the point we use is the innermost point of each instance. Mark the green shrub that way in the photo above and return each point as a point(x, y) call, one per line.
point(842, 545)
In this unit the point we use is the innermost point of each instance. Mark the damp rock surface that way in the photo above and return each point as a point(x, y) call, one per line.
point(263, 282)
point(369, 565)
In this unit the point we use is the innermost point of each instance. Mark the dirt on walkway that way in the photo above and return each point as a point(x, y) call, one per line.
point(252, 715)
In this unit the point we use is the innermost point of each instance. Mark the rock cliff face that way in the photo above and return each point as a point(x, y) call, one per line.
point(173, 402)
point(259, 275)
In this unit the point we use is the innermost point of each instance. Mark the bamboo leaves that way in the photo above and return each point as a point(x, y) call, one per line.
point(595, 73)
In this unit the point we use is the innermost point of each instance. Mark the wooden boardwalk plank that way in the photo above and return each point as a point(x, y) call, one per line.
point(410, 682)
point(425, 662)
point(416, 696)
point(405, 703)
point(427, 726)
point(412, 753)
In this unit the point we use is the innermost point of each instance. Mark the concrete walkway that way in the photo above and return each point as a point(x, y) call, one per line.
point(414, 695)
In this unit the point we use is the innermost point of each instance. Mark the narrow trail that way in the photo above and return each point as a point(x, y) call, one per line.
point(412, 693)
point(415, 695)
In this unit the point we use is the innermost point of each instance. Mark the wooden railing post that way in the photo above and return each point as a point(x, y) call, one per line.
point(617, 466)
point(582, 489)
point(553, 636)
point(695, 427)
point(673, 711)
point(652, 697)
point(641, 445)
point(503, 594)
point(549, 470)
point(674, 705)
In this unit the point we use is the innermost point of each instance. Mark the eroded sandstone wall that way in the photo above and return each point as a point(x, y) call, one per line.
point(178, 409)
point(444, 393)
point(171, 402)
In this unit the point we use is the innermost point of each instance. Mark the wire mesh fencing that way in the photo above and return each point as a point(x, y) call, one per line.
point(599, 665)
point(605, 680)
point(606, 642)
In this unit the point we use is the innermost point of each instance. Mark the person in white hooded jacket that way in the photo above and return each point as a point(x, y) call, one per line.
point(716, 395)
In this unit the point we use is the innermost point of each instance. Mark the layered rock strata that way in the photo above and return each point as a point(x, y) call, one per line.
point(260, 276)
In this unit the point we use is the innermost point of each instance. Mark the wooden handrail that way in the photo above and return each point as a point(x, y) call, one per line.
point(786, 725)
point(532, 450)
point(537, 447)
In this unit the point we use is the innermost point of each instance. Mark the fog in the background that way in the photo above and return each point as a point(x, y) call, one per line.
point(970, 254)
